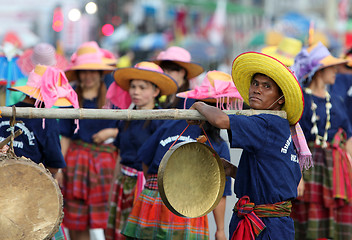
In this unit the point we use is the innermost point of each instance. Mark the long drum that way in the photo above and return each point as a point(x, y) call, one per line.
point(31, 204)
point(191, 179)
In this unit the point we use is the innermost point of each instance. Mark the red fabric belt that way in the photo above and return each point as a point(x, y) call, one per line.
point(250, 226)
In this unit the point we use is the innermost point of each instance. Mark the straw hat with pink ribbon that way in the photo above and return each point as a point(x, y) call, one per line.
point(148, 71)
point(89, 56)
point(50, 86)
point(181, 57)
point(44, 54)
point(217, 87)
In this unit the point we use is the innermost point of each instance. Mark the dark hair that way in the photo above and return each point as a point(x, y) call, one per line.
point(101, 92)
point(212, 132)
point(170, 65)
point(348, 52)
point(156, 106)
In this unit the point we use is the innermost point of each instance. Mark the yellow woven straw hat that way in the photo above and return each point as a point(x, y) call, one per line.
point(286, 51)
point(249, 63)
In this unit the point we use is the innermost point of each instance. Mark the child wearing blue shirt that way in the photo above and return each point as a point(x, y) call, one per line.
point(167, 225)
point(150, 218)
point(144, 82)
point(39, 140)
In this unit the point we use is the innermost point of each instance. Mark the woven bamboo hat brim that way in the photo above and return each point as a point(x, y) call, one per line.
point(147, 71)
point(249, 63)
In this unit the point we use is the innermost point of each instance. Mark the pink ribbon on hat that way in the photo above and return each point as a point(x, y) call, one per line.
point(49, 91)
point(226, 89)
point(48, 88)
point(119, 97)
point(219, 90)
point(107, 54)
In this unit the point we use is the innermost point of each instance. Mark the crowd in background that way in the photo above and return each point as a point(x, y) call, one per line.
point(107, 169)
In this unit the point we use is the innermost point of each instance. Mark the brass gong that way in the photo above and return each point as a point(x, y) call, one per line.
point(31, 201)
point(191, 179)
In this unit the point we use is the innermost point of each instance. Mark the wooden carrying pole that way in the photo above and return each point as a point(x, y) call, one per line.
point(125, 114)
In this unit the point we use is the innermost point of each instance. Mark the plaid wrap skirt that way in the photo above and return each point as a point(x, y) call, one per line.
point(151, 219)
point(325, 210)
point(87, 181)
point(120, 205)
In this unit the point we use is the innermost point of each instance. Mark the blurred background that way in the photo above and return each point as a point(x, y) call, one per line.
point(214, 31)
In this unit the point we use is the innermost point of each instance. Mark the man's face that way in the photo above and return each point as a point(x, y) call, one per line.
point(263, 92)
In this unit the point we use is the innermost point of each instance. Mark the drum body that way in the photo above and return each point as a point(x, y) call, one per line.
point(191, 179)
point(31, 201)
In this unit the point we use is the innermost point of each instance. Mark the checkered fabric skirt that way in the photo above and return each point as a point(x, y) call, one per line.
point(87, 181)
point(151, 219)
point(325, 210)
point(120, 205)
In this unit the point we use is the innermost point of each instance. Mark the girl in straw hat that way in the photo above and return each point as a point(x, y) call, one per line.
point(89, 153)
point(269, 169)
point(176, 62)
point(144, 82)
point(325, 209)
point(150, 218)
point(46, 87)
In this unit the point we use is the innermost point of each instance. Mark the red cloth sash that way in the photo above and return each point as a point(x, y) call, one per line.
point(250, 226)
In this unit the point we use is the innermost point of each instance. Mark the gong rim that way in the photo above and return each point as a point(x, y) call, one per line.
point(192, 199)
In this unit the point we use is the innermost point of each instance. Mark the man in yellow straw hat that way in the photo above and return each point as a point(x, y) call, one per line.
point(270, 169)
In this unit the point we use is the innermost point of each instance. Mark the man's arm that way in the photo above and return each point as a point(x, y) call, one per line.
point(214, 116)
